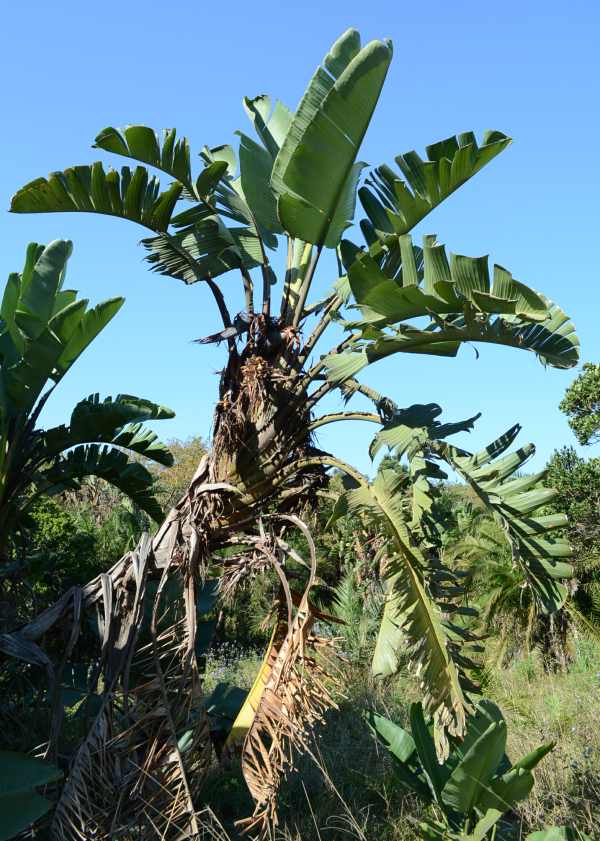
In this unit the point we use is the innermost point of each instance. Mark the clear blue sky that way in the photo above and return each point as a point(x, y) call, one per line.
point(530, 69)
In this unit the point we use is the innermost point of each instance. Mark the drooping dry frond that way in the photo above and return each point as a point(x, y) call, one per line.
point(87, 804)
point(239, 569)
point(292, 692)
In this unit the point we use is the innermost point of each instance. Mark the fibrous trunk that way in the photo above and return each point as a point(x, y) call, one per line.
point(140, 769)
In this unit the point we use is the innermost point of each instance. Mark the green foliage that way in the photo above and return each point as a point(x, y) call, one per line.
point(43, 330)
point(516, 504)
point(558, 833)
point(461, 302)
point(577, 483)
point(581, 404)
point(474, 787)
point(357, 604)
point(20, 804)
point(316, 192)
point(300, 181)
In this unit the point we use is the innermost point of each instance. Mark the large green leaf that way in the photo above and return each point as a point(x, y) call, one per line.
point(333, 115)
point(78, 335)
point(410, 428)
point(204, 250)
point(40, 287)
point(503, 793)
point(448, 286)
point(460, 300)
point(435, 772)
point(395, 206)
point(167, 154)
point(132, 195)
point(142, 144)
point(19, 773)
point(476, 768)
point(20, 805)
point(108, 463)
point(401, 746)
point(256, 165)
point(397, 740)
point(116, 422)
point(20, 811)
point(411, 620)
point(514, 503)
point(271, 126)
point(44, 329)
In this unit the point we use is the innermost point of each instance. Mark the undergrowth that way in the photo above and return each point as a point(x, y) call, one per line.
point(347, 788)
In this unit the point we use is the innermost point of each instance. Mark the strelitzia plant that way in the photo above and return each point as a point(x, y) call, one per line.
point(44, 328)
point(293, 187)
point(474, 788)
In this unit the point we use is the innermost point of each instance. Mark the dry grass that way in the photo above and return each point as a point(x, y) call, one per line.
point(347, 789)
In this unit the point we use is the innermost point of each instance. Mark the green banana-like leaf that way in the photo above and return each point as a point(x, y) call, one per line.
point(256, 161)
point(20, 805)
point(475, 770)
point(202, 247)
point(411, 619)
point(132, 195)
point(334, 114)
point(35, 303)
point(271, 126)
point(559, 833)
point(435, 772)
point(78, 335)
point(142, 144)
point(396, 739)
point(203, 251)
point(410, 428)
point(464, 306)
point(503, 793)
point(116, 422)
point(44, 329)
point(402, 748)
point(443, 286)
point(395, 206)
point(483, 826)
point(170, 155)
point(108, 463)
point(256, 165)
point(514, 503)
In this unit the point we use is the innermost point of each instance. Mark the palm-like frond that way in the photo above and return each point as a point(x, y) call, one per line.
point(395, 206)
point(116, 422)
point(316, 191)
point(516, 504)
point(411, 615)
point(132, 195)
point(108, 463)
point(44, 329)
point(462, 304)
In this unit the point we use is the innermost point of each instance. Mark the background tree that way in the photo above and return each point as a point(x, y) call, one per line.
point(172, 481)
point(581, 404)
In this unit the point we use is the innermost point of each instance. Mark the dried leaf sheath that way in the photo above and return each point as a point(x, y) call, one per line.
point(148, 751)
point(298, 677)
point(87, 804)
point(169, 740)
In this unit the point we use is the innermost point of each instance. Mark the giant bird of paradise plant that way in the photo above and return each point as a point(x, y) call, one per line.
point(294, 185)
point(44, 329)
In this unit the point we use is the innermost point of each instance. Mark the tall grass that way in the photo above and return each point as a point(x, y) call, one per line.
point(347, 789)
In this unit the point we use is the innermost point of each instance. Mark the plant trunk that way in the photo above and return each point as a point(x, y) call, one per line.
point(147, 753)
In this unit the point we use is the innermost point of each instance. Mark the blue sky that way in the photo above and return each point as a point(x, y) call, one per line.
point(529, 69)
